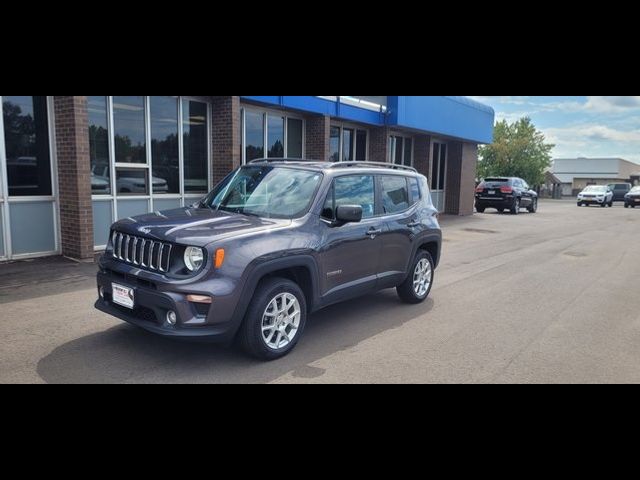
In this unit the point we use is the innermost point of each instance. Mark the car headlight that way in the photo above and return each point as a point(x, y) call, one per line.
point(193, 258)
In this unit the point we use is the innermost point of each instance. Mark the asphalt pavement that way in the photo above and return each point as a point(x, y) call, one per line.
point(550, 297)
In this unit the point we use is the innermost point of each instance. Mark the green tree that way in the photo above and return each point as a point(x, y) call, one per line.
point(518, 150)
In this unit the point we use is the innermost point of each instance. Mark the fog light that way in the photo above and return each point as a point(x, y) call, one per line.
point(172, 318)
point(101, 293)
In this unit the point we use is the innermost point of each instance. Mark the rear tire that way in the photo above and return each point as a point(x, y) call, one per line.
point(515, 209)
point(268, 306)
point(414, 290)
point(480, 209)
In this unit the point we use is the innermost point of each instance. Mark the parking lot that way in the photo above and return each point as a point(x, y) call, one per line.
point(545, 298)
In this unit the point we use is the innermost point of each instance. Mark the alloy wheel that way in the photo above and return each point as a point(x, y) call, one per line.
point(281, 321)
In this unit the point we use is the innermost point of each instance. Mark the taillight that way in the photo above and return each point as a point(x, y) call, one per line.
point(479, 189)
point(506, 189)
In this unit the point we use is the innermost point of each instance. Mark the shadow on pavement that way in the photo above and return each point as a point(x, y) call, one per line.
point(127, 354)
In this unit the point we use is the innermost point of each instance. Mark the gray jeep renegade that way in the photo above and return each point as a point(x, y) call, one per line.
point(274, 242)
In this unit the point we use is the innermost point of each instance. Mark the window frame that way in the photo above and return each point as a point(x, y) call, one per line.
point(184, 198)
point(356, 129)
point(393, 139)
point(266, 112)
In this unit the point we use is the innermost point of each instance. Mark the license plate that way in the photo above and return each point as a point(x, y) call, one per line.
point(123, 296)
point(491, 192)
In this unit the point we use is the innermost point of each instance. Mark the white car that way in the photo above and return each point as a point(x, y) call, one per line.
point(126, 184)
point(596, 195)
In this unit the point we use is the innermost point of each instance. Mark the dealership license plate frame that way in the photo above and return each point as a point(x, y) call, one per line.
point(123, 296)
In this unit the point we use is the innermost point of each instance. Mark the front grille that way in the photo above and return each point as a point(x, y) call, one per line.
point(141, 252)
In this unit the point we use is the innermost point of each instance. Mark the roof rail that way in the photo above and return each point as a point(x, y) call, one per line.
point(391, 166)
point(279, 160)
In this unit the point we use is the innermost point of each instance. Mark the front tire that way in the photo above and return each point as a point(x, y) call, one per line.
point(534, 206)
point(480, 209)
point(275, 320)
point(417, 287)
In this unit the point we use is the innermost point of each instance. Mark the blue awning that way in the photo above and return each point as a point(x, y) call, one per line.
point(458, 117)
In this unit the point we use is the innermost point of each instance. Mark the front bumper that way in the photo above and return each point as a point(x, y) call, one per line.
point(151, 308)
point(632, 201)
point(592, 201)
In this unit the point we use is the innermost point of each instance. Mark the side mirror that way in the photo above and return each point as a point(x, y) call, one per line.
point(349, 214)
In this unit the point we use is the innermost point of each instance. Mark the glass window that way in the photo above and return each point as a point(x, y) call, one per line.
point(129, 130)
point(130, 181)
point(99, 146)
point(254, 133)
point(195, 138)
point(443, 166)
point(356, 190)
point(408, 152)
point(165, 161)
point(439, 166)
point(275, 132)
point(294, 138)
point(266, 192)
point(361, 146)
point(327, 210)
point(399, 149)
point(26, 135)
point(347, 145)
point(414, 186)
point(334, 145)
point(395, 195)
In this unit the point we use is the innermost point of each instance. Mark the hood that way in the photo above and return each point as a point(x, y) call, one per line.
point(195, 226)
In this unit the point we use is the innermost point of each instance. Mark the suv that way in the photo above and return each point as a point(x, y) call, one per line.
point(620, 190)
point(272, 243)
point(632, 199)
point(508, 193)
point(596, 195)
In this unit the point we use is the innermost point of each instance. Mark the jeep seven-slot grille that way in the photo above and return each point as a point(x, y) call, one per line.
point(141, 252)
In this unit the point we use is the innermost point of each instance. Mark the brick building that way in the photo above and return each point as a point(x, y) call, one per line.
point(70, 166)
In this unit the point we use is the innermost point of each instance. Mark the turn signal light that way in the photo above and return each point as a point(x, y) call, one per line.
point(219, 257)
point(199, 299)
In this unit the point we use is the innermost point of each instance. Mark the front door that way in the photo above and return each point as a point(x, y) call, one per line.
point(439, 175)
point(350, 254)
point(28, 210)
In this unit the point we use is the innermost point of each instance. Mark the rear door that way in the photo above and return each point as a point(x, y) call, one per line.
point(350, 254)
point(401, 222)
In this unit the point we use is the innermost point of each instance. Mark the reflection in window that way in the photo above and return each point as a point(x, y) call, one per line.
point(347, 144)
point(395, 195)
point(334, 145)
point(130, 181)
point(99, 145)
point(163, 112)
point(26, 135)
point(275, 136)
point(355, 190)
point(361, 146)
point(294, 138)
point(195, 146)
point(415, 190)
point(254, 134)
point(129, 130)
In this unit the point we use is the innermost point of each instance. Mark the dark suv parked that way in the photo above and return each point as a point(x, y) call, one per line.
point(272, 243)
point(503, 194)
point(620, 190)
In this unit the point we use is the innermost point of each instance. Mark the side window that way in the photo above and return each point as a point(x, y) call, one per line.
point(395, 194)
point(517, 183)
point(525, 185)
point(352, 190)
point(414, 188)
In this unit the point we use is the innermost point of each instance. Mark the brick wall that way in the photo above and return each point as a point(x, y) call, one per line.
point(74, 176)
point(461, 175)
point(422, 154)
point(226, 153)
point(318, 129)
point(379, 144)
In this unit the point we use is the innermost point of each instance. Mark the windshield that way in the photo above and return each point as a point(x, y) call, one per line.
point(595, 189)
point(267, 192)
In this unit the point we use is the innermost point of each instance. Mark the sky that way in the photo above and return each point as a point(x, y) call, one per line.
point(587, 126)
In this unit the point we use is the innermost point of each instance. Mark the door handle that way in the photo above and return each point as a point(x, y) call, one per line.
point(373, 232)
